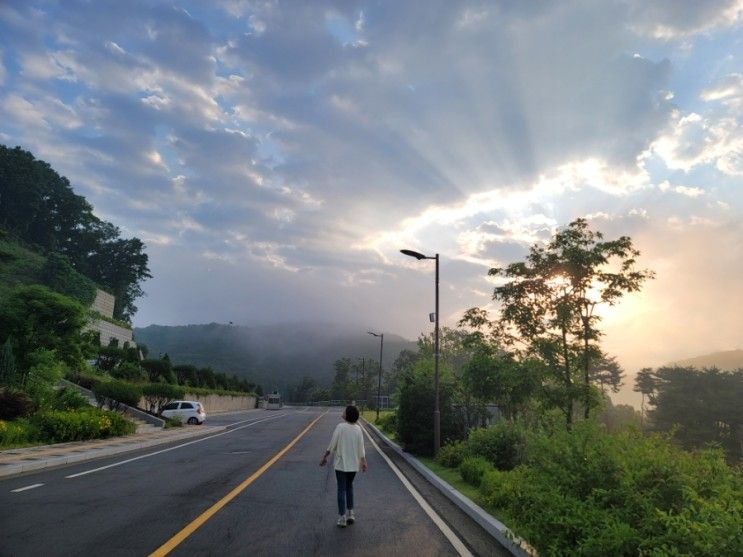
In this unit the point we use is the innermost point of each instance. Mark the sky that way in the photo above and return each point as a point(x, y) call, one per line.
point(275, 156)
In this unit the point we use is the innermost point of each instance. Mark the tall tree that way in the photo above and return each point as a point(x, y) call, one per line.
point(607, 372)
point(7, 364)
point(702, 406)
point(549, 302)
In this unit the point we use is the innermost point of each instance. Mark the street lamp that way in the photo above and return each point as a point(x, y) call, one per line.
point(436, 411)
point(379, 385)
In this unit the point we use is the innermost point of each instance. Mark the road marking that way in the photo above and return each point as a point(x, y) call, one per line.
point(176, 540)
point(437, 520)
point(127, 461)
point(25, 488)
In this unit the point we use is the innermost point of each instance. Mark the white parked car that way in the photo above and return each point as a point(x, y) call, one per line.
point(188, 411)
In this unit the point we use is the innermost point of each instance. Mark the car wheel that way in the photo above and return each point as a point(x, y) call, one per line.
point(193, 421)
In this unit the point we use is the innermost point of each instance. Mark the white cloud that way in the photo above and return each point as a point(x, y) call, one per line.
point(677, 19)
point(688, 191)
point(694, 140)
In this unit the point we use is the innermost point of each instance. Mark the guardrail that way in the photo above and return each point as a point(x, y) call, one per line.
point(127, 410)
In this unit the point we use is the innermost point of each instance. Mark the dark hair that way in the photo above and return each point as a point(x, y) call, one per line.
point(352, 414)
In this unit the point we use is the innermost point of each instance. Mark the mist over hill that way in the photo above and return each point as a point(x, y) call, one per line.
point(726, 360)
point(272, 356)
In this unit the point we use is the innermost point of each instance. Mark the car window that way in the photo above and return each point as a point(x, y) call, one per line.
point(186, 405)
point(171, 406)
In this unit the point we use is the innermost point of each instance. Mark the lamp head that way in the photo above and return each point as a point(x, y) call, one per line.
point(375, 334)
point(412, 253)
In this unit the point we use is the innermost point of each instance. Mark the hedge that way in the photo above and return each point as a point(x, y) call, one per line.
point(114, 393)
point(78, 425)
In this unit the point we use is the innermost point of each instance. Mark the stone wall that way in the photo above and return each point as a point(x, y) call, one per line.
point(215, 404)
point(104, 303)
point(110, 331)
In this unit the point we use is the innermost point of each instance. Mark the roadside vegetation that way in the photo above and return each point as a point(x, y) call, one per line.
point(54, 253)
point(529, 431)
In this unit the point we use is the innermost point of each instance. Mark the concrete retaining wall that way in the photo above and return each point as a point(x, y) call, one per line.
point(214, 404)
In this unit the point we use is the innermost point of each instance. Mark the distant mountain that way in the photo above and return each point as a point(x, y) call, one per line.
point(272, 356)
point(726, 360)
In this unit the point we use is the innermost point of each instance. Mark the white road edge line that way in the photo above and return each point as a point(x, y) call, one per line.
point(437, 520)
point(171, 448)
point(25, 488)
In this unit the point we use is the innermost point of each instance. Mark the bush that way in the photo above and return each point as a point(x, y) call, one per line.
point(156, 395)
point(17, 433)
point(502, 444)
point(473, 469)
point(388, 422)
point(175, 421)
point(59, 426)
point(452, 455)
point(115, 393)
point(85, 381)
point(69, 399)
point(619, 494)
point(128, 371)
point(14, 404)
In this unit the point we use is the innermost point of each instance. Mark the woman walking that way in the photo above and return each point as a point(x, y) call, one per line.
point(348, 446)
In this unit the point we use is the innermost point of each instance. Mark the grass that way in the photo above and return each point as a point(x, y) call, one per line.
point(371, 417)
point(450, 476)
point(18, 266)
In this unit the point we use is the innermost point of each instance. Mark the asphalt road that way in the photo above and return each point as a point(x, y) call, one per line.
point(134, 507)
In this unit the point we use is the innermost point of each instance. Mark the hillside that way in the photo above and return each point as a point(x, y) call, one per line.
point(22, 265)
point(725, 360)
point(272, 356)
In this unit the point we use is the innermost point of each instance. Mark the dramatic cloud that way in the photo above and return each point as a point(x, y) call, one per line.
point(275, 156)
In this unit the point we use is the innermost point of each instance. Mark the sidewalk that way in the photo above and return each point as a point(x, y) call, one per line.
point(14, 462)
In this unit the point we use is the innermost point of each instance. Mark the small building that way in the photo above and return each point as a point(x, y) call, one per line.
point(102, 321)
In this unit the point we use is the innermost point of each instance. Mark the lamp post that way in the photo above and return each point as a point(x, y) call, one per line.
point(436, 411)
point(379, 385)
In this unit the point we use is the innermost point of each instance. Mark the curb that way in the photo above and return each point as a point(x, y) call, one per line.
point(12, 470)
point(492, 526)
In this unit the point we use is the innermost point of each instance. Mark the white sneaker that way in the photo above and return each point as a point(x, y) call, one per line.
point(341, 521)
point(350, 517)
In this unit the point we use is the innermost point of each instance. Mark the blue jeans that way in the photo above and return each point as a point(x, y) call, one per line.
point(345, 490)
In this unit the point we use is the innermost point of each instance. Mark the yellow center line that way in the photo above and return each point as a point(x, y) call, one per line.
point(176, 540)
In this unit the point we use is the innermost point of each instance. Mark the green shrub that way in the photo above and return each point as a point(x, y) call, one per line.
point(85, 381)
point(175, 421)
point(502, 444)
point(473, 468)
point(115, 393)
point(58, 426)
point(387, 422)
point(452, 455)
point(17, 433)
point(14, 404)
point(68, 398)
point(586, 492)
point(128, 371)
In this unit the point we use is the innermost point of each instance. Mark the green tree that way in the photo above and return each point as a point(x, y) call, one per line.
point(45, 370)
point(35, 317)
point(159, 370)
point(606, 372)
point(340, 389)
point(39, 206)
point(645, 384)
point(548, 304)
point(7, 365)
point(701, 406)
